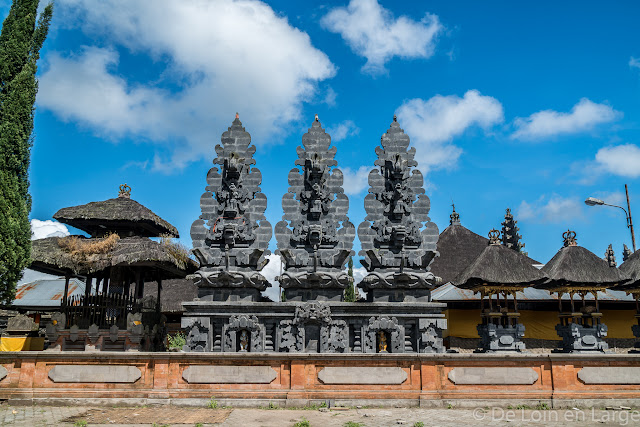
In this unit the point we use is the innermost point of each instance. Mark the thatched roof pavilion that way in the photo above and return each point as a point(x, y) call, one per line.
point(54, 255)
point(499, 266)
point(121, 215)
point(119, 252)
point(576, 268)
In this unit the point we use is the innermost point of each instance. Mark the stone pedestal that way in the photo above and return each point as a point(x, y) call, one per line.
point(497, 338)
point(314, 327)
point(577, 338)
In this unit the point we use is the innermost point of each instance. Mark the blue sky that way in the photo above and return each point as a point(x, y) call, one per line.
point(533, 106)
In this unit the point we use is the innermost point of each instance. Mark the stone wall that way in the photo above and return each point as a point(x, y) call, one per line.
point(559, 380)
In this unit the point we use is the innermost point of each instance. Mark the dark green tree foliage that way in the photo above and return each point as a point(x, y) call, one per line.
point(20, 42)
point(350, 292)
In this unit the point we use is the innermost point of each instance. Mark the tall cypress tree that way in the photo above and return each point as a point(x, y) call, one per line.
point(350, 291)
point(20, 42)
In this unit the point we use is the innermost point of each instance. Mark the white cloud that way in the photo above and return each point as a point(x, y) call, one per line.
point(270, 272)
point(432, 124)
point(372, 31)
point(634, 62)
point(48, 228)
point(222, 56)
point(623, 160)
point(584, 116)
point(355, 182)
point(551, 209)
point(358, 274)
point(343, 130)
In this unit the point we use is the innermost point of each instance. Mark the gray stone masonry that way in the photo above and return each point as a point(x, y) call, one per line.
point(315, 236)
point(583, 339)
point(398, 239)
point(313, 327)
point(231, 237)
point(498, 338)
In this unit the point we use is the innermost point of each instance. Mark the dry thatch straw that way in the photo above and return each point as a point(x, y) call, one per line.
point(81, 248)
point(177, 250)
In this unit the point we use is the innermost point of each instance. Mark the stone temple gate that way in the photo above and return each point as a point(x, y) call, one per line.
point(315, 240)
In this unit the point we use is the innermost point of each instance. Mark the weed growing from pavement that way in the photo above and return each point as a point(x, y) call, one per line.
point(543, 406)
point(213, 404)
point(418, 424)
point(198, 425)
point(302, 423)
point(80, 423)
point(271, 406)
point(353, 424)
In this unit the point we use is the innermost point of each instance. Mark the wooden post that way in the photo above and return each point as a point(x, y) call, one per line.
point(140, 285)
point(67, 277)
point(159, 290)
point(87, 288)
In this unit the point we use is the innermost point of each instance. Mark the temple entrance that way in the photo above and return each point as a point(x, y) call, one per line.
point(311, 338)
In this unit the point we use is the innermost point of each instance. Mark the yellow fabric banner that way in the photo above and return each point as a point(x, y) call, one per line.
point(15, 344)
point(538, 324)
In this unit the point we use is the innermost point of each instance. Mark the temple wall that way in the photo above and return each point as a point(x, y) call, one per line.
point(298, 379)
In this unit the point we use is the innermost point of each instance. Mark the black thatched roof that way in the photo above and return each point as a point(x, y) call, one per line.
point(48, 256)
point(631, 269)
point(498, 265)
point(120, 215)
point(174, 293)
point(458, 247)
point(575, 266)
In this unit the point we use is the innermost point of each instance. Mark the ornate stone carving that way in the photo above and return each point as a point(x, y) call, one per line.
point(315, 236)
point(197, 334)
point(583, 339)
point(248, 324)
point(231, 236)
point(397, 250)
point(391, 328)
point(333, 334)
point(431, 335)
point(498, 338)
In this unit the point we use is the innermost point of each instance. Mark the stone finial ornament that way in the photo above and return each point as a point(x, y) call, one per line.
point(626, 253)
point(610, 256)
point(231, 237)
point(454, 218)
point(315, 236)
point(398, 239)
point(494, 237)
point(510, 236)
point(570, 238)
point(125, 191)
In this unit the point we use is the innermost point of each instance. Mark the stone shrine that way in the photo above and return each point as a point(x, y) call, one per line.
point(397, 250)
point(317, 246)
point(315, 239)
point(231, 237)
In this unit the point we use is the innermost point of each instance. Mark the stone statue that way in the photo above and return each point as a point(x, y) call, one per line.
point(315, 236)
point(231, 237)
point(244, 340)
point(382, 342)
point(398, 239)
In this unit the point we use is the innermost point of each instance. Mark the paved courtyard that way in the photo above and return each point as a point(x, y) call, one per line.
point(34, 416)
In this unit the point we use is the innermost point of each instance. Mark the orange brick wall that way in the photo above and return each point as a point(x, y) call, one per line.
point(297, 376)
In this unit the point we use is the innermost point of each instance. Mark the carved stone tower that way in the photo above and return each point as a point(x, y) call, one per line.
point(315, 236)
point(397, 237)
point(231, 237)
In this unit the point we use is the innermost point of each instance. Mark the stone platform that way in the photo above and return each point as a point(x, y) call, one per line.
point(298, 379)
point(314, 327)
